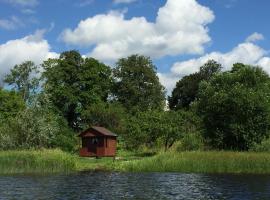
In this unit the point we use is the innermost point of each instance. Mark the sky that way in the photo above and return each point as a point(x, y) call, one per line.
point(178, 35)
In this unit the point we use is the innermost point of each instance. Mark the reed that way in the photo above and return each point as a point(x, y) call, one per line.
point(36, 161)
point(201, 162)
point(57, 161)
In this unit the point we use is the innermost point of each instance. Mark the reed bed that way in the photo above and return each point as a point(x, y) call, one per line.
point(201, 162)
point(36, 161)
point(57, 161)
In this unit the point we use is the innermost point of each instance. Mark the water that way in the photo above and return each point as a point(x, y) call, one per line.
point(100, 185)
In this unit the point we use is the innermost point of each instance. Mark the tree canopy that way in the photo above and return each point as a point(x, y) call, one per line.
point(23, 78)
point(186, 90)
point(10, 104)
point(234, 107)
point(137, 85)
point(73, 83)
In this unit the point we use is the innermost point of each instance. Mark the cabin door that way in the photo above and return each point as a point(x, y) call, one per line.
point(93, 144)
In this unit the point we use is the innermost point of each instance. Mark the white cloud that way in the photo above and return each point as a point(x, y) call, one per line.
point(24, 3)
point(32, 47)
point(255, 37)
point(247, 53)
point(168, 80)
point(180, 28)
point(265, 63)
point(11, 24)
point(124, 1)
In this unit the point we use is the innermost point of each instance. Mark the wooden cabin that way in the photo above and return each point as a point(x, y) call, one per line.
point(98, 142)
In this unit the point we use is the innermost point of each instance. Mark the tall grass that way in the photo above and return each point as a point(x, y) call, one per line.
point(36, 161)
point(201, 162)
point(57, 161)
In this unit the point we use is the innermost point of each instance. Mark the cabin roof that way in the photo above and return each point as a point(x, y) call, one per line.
point(101, 130)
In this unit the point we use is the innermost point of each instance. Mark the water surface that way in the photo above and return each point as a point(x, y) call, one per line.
point(100, 185)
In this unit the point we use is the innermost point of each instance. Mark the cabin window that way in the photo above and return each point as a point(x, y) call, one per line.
point(95, 141)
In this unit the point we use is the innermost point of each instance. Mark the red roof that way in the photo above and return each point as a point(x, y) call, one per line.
point(101, 130)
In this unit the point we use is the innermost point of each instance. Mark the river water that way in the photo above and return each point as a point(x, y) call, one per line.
point(101, 185)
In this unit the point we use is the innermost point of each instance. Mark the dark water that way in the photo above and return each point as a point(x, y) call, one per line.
point(136, 186)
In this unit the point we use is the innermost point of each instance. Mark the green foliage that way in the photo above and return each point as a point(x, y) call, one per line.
point(109, 115)
point(23, 79)
point(137, 85)
point(10, 104)
point(186, 90)
point(35, 128)
point(190, 142)
point(73, 83)
point(264, 146)
point(234, 107)
point(147, 128)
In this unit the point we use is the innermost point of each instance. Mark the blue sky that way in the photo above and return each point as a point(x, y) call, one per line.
point(179, 35)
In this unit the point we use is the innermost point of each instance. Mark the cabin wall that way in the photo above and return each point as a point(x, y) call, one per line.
point(106, 147)
point(110, 149)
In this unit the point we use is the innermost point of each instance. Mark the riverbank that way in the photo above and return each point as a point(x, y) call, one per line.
point(57, 161)
point(202, 162)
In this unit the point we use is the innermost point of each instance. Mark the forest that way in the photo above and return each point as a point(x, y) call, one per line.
point(46, 106)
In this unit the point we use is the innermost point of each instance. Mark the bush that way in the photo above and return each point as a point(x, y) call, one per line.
point(190, 142)
point(36, 127)
point(264, 146)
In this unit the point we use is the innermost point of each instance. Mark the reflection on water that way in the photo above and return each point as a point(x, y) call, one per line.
point(100, 185)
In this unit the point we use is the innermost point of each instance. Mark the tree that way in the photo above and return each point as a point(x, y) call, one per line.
point(147, 128)
point(73, 83)
point(137, 85)
point(10, 104)
point(109, 115)
point(23, 78)
point(234, 107)
point(186, 90)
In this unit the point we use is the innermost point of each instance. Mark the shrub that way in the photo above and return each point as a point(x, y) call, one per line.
point(36, 127)
point(190, 142)
point(264, 146)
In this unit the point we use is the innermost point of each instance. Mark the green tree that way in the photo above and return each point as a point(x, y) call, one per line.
point(10, 104)
point(109, 115)
point(73, 83)
point(147, 128)
point(186, 90)
point(23, 78)
point(137, 85)
point(234, 107)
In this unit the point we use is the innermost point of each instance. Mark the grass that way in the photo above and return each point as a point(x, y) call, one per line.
point(57, 161)
point(201, 162)
point(36, 161)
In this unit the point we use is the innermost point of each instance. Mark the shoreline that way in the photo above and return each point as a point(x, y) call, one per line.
point(46, 161)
